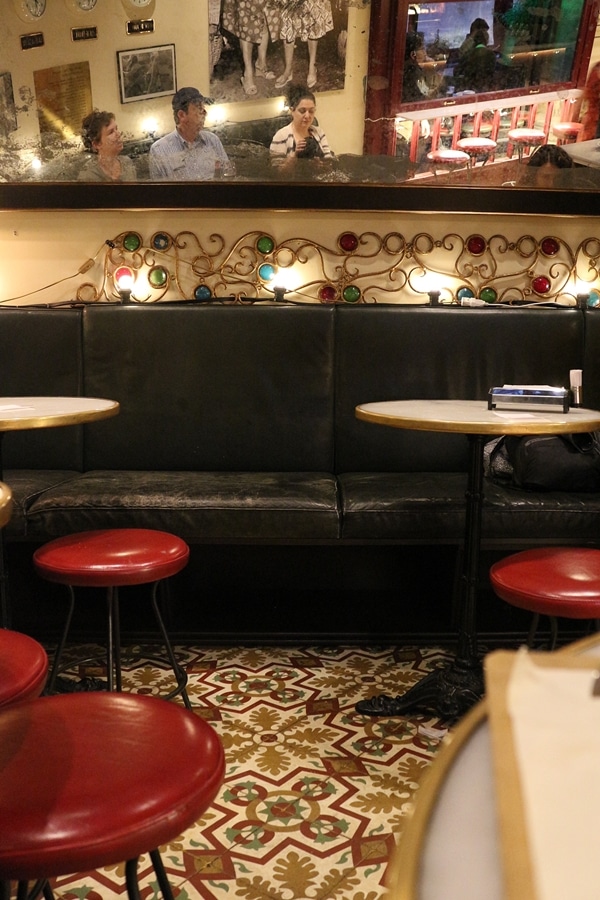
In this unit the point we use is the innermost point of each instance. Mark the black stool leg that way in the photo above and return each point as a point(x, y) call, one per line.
point(61, 644)
point(161, 875)
point(113, 647)
point(179, 673)
point(133, 888)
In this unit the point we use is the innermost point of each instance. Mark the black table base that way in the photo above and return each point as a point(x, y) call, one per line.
point(449, 691)
point(452, 690)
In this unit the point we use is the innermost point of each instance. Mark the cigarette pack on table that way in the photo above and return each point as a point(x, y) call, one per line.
point(531, 395)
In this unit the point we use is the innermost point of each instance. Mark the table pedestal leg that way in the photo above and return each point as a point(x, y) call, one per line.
point(452, 689)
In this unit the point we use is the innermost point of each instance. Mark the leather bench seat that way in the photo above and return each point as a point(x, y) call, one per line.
point(199, 506)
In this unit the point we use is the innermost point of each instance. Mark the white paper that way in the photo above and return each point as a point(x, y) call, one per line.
point(556, 729)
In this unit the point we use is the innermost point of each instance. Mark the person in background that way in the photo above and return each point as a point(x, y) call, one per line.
point(547, 162)
point(252, 22)
point(469, 41)
point(475, 69)
point(590, 106)
point(103, 140)
point(414, 85)
point(301, 139)
point(306, 22)
point(189, 153)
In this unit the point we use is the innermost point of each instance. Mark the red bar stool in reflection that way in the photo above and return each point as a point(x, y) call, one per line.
point(111, 559)
point(566, 132)
point(552, 581)
point(93, 780)
point(447, 159)
point(526, 138)
point(477, 146)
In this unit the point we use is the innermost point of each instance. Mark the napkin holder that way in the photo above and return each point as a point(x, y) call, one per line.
point(529, 395)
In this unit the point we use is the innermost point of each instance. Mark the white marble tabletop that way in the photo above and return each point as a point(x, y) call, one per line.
point(474, 417)
point(586, 153)
point(17, 413)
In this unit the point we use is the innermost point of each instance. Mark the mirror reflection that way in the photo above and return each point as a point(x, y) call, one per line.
point(462, 92)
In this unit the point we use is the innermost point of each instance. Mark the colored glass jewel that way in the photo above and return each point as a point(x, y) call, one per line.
point(327, 293)
point(594, 299)
point(265, 244)
point(266, 272)
point(161, 241)
point(351, 294)
point(476, 244)
point(122, 272)
point(550, 246)
point(541, 284)
point(488, 294)
point(158, 276)
point(132, 241)
point(202, 292)
point(348, 242)
point(464, 292)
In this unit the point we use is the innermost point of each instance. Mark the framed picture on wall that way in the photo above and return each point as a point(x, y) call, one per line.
point(147, 73)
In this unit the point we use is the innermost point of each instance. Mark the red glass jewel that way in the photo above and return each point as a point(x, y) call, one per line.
point(327, 293)
point(348, 242)
point(476, 244)
point(541, 284)
point(550, 246)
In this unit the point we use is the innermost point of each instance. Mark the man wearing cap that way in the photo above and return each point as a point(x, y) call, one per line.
point(189, 153)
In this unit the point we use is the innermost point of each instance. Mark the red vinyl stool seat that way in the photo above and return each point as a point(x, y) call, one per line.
point(114, 558)
point(444, 158)
point(552, 581)
point(23, 667)
point(566, 132)
point(477, 146)
point(526, 137)
point(93, 780)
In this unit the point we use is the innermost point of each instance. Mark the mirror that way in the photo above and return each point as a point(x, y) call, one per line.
point(78, 54)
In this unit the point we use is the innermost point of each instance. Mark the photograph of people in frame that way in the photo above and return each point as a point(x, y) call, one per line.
point(266, 44)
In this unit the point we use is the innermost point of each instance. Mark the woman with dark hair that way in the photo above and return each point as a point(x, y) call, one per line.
point(103, 140)
point(547, 161)
point(301, 139)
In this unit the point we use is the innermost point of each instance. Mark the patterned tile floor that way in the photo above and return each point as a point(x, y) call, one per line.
point(314, 794)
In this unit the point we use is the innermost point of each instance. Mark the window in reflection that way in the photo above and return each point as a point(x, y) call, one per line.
point(456, 49)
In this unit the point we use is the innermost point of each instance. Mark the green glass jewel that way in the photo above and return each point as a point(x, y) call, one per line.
point(351, 294)
point(158, 276)
point(132, 241)
point(488, 294)
point(265, 244)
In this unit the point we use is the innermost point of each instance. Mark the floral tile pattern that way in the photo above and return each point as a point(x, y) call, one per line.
point(314, 795)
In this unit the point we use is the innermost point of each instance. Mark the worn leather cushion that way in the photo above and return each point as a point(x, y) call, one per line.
point(27, 485)
point(430, 507)
point(86, 780)
point(198, 506)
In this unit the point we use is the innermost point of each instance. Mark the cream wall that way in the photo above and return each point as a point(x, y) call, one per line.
point(38, 249)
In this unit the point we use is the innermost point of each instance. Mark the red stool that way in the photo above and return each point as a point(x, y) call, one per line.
point(526, 138)
point(552, 581)
point(566, 132)
point(94, 780)
point(114, 558)
point(446, 158)
point(23, 668)
point(477, 146)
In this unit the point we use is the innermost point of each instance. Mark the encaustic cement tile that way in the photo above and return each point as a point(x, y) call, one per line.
point(314, 796)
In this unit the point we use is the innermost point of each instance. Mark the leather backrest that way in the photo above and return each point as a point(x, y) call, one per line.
point(211, 387)
point(404, 352)
point(41, 355)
